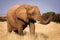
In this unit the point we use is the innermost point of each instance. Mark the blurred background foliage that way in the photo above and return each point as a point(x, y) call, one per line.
point(55, 16)
point(3, 18)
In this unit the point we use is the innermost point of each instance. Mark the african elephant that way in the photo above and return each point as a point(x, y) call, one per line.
point(19, 16)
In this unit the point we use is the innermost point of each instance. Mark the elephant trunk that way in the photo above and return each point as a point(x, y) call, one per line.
point(45, 21)
point(38, 17)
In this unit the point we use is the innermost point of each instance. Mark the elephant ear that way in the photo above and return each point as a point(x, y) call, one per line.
point(22, 14)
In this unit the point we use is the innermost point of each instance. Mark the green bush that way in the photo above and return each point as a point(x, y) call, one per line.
point(3, 18)
point(45, 16)
point(55, 17)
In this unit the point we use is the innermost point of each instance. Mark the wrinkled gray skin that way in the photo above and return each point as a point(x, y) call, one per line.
point(19, 16)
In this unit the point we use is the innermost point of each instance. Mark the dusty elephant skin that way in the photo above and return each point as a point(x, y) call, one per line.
point(19, 16)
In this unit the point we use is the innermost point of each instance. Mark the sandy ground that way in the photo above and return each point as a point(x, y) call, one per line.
point(42, 32)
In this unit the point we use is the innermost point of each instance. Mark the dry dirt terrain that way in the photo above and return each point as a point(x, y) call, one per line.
point(42, 32)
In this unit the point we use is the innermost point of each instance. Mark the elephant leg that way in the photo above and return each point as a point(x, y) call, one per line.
point(20, 28)
point(32, 28)
point(9, 27)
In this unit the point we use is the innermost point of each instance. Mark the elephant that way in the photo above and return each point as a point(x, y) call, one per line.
point(19, 16)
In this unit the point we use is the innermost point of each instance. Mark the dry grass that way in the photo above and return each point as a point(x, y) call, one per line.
point(43, 32)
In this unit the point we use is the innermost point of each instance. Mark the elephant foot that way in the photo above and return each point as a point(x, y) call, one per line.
point(9, 30)
point(21, 34)
point(16, 31)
